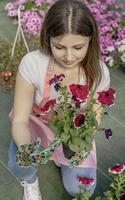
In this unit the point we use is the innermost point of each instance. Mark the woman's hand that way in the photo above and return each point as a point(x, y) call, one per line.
point(29, 154)
point(34, 154)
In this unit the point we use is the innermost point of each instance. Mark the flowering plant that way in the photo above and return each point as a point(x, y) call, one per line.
point(74, 126)
point(8, 64)
point(117, 187)
point(111, 22)
point(7, 79)
point(32, 14)
point(108, 13)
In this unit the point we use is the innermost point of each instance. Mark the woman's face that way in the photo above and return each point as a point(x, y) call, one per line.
point(69, 50)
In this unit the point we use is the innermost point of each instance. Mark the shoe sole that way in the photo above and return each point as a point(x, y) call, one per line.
point(24, 198)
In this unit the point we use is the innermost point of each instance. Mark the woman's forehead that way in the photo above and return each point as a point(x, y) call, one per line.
point(70, 38)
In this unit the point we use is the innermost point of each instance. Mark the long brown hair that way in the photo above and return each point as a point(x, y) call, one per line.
point(73, 16)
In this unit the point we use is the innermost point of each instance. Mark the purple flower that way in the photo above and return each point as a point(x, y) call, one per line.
point(57, 87)
point(108, 133)
point(57, 78)
point(9, 6)
point(122, 196)
point(22, 1)
point(12, 13)
point(69, 106)
point(78, 103)
point(38, 2)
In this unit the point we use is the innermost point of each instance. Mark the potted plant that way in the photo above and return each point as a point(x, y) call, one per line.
point(74, 127)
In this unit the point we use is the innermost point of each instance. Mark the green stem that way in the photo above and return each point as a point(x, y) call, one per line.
point(118, 186)
point(98, 108)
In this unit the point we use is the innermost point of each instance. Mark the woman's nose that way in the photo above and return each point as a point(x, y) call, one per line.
point(69, 55)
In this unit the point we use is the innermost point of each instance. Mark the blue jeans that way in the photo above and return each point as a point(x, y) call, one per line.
point(69, 175)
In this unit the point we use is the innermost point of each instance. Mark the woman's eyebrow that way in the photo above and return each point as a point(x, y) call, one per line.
point(72, 46)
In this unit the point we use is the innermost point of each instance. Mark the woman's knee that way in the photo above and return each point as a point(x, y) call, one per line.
point(72, 183)
point(28, 174)
point(74, 189)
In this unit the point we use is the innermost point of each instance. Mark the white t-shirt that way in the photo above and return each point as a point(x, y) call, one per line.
point(33, 68)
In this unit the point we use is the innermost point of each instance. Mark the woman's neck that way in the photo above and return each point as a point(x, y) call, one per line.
point(72, 75)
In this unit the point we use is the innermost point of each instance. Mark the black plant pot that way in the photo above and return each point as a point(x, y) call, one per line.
point(67, 152)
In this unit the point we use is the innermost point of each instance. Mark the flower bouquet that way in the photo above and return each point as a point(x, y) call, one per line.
point(74, 126)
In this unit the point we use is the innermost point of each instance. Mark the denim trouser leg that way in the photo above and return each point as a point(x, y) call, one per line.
point(27, 174)
point(71, 182)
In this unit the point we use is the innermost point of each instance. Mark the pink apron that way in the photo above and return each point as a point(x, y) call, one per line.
point(39, 127)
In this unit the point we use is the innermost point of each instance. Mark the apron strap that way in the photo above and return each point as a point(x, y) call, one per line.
point(46, 93)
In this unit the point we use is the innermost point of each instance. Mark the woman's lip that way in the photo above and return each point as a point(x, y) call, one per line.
point(68, 63)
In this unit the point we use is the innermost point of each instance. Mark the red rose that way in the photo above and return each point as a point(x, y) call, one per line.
point(86, 181)
point(107, 97)
point(79, 120)
point(118, 169)
point(80, 92)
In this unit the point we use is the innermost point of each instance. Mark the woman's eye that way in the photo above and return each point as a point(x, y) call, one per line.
point(58, 47)
point(78, 48)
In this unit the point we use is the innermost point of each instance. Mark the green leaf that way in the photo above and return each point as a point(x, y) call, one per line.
point(66, 129)
point(73, 147)
point(75, 133)
point(89, 138)
point(88, 146)
point(30, 5)
point(76, 140)
point(65, 137)
point(1, 68)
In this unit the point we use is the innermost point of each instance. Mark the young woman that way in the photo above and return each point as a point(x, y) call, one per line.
point(70, 46)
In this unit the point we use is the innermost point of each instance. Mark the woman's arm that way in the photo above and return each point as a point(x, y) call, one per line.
point(23, 101)
point(98, 108)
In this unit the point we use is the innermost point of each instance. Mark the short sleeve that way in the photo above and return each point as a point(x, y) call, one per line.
point(105, 81)
point(27, 69)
